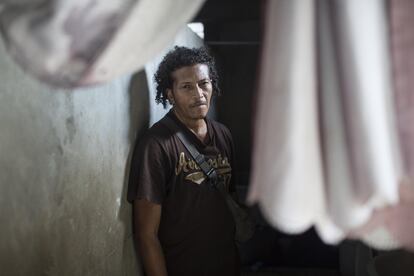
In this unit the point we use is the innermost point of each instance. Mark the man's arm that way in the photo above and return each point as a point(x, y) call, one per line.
point(147, 220)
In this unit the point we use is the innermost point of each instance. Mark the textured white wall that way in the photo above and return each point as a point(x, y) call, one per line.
point(63, 173)
point(63, 158)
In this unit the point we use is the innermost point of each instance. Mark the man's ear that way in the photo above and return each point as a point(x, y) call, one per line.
point(170, 96)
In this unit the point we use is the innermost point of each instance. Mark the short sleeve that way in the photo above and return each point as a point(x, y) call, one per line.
point(149, 167)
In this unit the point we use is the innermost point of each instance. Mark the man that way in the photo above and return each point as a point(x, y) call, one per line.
point(183, 225)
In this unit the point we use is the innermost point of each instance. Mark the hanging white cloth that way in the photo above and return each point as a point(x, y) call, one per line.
point(399, 218)
point(82, 42)
point(361, 151)
point(287, 173)
point(326, 152)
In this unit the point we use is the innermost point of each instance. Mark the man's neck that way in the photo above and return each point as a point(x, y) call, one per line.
point(197, 126)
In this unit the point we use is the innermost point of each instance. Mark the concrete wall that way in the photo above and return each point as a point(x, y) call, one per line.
point(63, 170)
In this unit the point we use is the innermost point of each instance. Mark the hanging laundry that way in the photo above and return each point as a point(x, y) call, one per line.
point(83, 42)
point(399, 218)
point(326, 147)
point(287, 176)
point(360, 147)
point(402, 46)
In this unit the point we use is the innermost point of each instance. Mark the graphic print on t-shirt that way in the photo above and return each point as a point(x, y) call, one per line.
point(193, 173)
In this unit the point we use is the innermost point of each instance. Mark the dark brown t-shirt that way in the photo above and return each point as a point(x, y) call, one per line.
point(196, 228)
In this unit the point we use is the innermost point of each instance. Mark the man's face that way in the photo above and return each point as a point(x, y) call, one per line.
point(191, 92)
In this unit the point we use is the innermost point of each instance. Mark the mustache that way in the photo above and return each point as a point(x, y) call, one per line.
point(198, 103)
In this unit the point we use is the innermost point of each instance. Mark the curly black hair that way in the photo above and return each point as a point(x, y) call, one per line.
point(177, 58)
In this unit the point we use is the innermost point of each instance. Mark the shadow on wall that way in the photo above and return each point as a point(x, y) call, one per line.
point(139, 114)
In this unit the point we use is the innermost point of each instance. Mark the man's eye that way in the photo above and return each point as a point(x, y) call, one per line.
point(186, 86)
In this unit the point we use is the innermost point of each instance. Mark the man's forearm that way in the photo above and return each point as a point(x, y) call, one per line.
point(152, 256)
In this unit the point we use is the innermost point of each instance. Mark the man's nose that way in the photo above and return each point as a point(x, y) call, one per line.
point(198, 91)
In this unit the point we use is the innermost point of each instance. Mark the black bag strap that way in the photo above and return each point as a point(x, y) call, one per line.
point(244, 224)
point(200, 159)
